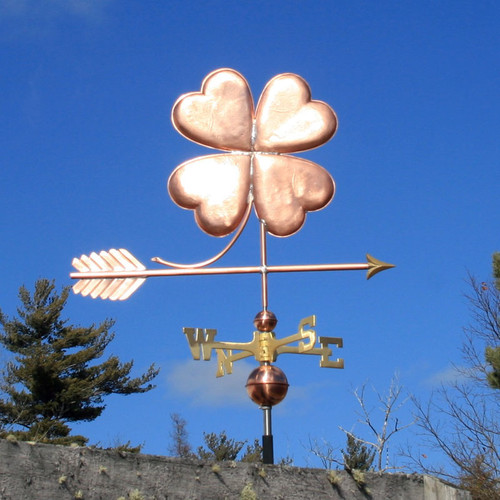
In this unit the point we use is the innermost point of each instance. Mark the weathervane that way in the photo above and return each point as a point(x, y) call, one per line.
point(256, 170)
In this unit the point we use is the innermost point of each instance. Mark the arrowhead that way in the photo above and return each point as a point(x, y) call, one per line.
point(376, 266)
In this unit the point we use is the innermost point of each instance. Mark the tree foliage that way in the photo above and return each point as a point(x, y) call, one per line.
point(357, 456)
point(53, 379)
point(492, 353)
point(219, 447)
point(179, 446)
point(496, 269)
point(480, 480)
point(253, 454)
point(492, 356)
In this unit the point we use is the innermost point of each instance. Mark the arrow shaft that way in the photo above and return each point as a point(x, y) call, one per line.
point(149, 273)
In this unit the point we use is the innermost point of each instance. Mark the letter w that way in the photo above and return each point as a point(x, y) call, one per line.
point(200, 341)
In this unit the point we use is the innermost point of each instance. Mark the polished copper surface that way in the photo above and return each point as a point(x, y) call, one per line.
point(284, 188)
point(267, 385)
point(265, 321)
point(288, 120)
point(220, 116)
point(84, 274)
point(214, 258)
point(221, 189)
point(216, 187)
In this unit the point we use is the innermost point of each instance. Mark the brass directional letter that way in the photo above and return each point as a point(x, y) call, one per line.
point(326, 352)
point(265, 347)
point(200, 341)
point(224, 362)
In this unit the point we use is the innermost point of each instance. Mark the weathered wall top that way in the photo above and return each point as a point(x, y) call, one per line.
point(46, 472)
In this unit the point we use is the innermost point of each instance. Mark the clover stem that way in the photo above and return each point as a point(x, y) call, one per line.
point(221, 254)
point(263, 264)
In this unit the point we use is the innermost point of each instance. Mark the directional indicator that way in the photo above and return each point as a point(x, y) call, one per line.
point(255, 171)
point(117, 274)
point(265, 347)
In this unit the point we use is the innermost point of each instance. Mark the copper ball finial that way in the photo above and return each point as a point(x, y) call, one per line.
point(265, 321)
point(267, 385)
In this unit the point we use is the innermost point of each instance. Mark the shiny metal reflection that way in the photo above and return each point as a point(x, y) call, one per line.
point(288, 120)
point(267, 385)
point(216, 187)
point(220, 116)
point(284, 187)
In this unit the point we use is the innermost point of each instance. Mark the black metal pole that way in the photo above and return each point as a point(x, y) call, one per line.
point(267, 437)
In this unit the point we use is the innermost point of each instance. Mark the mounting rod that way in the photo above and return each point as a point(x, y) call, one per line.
point(267, 437)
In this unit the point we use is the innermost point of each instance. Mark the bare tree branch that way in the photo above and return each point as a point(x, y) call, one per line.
point(461, 421)
point(390, 403)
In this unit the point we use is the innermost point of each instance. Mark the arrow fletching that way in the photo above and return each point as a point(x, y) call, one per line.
point(108, 288)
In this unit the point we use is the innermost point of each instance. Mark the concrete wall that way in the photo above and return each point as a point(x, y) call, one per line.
point(46, 472)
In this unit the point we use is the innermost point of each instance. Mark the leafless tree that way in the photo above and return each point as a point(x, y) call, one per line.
point(462, 423)
point(382, 432)
point(461, 420)
point(179, 446)
point(326, 452)
point(390, 403)
point(483, 331)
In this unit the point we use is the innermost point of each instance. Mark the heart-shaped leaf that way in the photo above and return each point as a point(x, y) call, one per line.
point(221, 115)
point(216, 187)
point(286, 188)
point(288, 120)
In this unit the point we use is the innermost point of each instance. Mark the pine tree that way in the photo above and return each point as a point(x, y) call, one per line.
point(53, 379)
point(496, 269)
point(180, 446)
point(492, 353)
point(492, 356)
point(253, 453)
point(217, 446)
point(357, 455)
point(220, 447)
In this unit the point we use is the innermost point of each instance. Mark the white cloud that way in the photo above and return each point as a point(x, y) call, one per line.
point(196, 381)
point(51, 8)
point(27, 18)
point(447, 376)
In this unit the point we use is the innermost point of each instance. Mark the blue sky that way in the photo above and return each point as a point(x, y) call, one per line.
point(86, 148)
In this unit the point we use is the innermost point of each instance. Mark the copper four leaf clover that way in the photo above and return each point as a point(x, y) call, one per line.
point(255, 167)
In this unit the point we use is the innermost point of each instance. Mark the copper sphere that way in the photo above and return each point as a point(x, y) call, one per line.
point(265, 321)
point(267, 385)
